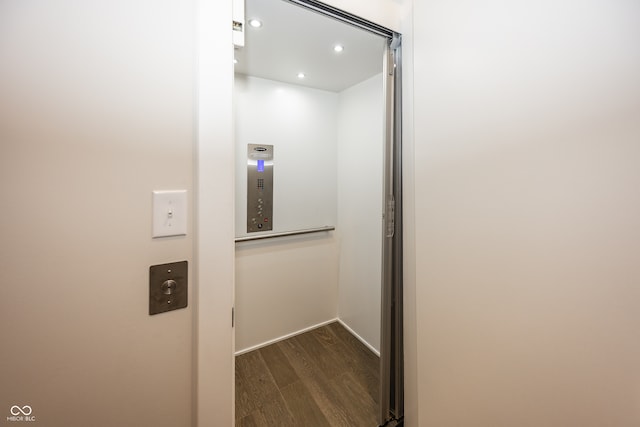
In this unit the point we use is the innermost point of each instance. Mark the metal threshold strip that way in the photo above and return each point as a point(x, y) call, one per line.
point(285, 233)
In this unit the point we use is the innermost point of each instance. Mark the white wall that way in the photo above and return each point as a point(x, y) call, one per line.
point(360, 206)
point(214, 376)
point(301, 124)
point(410, 353)
point(284, 286)
point(96, 112)
point(287, 284)
point(527, 130)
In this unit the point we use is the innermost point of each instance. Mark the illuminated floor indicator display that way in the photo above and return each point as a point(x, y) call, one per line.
point(259, 187)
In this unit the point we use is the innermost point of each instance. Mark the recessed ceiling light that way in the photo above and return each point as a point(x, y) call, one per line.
point(255, 23)
point(338, 48)
point(301, 75)
point(235, 61)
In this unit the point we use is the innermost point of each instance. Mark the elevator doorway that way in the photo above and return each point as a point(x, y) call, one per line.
point(318, 254)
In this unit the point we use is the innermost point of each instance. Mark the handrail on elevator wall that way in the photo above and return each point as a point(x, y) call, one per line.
point(285, 233)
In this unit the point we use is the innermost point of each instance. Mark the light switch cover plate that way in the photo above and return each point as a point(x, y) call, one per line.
point(169, 213)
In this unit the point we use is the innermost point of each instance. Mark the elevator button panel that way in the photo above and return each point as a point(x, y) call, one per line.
point(167, 287)
point(259, 187)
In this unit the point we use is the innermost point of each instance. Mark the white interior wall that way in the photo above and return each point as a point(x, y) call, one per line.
point(410, 352)
point(96, 112)
point(213, 376)
point(360, 205)
point(301, 124)
point(527, 139)
point(286, 285)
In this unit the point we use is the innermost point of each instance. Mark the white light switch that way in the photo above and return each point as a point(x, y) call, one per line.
point(169, 213)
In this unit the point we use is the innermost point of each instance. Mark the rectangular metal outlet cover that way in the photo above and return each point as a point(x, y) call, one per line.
point(167, 287)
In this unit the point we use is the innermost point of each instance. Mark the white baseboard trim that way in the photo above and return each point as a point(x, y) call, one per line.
point(310, 328)
point(362, 340)
point(284, 337)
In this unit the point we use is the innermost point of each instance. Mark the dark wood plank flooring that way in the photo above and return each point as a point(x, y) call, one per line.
point(324, 377)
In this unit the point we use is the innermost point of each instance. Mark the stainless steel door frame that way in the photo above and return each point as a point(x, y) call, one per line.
point(391, 348)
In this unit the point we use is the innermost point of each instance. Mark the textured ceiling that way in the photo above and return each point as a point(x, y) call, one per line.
point(293, 39)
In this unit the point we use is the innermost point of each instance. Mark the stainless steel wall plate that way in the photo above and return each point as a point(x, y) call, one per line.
point(259, 188)
point(167, 287)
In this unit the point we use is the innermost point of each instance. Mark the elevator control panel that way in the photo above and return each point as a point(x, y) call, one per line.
point(259, 188)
